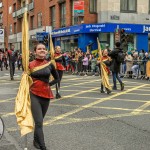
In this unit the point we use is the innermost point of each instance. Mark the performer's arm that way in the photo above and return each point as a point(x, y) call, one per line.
point(58, 59)
point(64, 61)
point(54, 74)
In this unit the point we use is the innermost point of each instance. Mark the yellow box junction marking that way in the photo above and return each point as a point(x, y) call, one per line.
point(89, 105)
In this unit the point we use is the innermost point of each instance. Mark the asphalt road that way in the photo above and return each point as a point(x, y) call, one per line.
point(84, 119)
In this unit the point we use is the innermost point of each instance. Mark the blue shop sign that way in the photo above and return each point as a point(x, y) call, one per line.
point(104, 27)
point(40, 35)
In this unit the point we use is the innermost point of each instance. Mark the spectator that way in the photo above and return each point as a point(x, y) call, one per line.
point(85, 64)
point(1, 59)
point(12, 55)
point(115, 65)
point(129, 63)
point(135, 67)
point(93, 64)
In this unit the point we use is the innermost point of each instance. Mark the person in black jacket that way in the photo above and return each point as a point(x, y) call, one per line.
point(115, 66)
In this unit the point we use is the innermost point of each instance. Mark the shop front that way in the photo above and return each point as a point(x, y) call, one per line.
point(86, 35)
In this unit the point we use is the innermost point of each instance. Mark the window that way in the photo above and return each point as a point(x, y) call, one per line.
point(10, 29)
point(63, 14)
point(39, 19)
point(14, 7)
point(1, 4)
point(23, 4)
point(32, 22)
point(53, 18)
point(10, 9)
point(93, 6)
point(128, 5)
point(15, 28)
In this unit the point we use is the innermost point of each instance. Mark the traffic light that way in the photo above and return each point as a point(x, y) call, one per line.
point(45, 40)
point(122, 36)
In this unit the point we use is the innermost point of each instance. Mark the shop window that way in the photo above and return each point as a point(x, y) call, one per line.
point(93, 6)
point(77, 20)
point(63, 14)
point(128, 6)
point(53, 17)
point(39, 19)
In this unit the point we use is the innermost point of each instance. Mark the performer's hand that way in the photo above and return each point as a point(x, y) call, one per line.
point(109, 58)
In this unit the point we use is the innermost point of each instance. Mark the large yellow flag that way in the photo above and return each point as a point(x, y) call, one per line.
point(104, 75)
point(22, 106)
point(52, 52)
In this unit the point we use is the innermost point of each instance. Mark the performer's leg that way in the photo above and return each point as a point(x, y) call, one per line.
point(60, 73)
point(38, 112)
point(102, 88)
point(11, 70)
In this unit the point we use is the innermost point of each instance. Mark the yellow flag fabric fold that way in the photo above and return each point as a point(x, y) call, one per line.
point(104, 74)
point(52, 52)
point(23, 104)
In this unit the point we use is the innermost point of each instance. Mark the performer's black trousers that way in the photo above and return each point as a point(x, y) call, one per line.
point(12, 69)
point(60, 73)
point(39, 106)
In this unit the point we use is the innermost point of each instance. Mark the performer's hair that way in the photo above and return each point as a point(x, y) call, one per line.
point(38, 45)
point(57, 46)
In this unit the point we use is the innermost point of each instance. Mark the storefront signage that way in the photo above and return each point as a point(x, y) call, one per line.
point(40, 35)
point(104, 27)
point(146, 29)
point(78, 8)
point(95, 27)
point(1, 35)
point(63, 31)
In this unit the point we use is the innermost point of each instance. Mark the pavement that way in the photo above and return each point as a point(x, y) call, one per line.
point(83, 119)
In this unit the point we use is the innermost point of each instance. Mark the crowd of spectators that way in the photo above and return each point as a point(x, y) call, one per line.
point(134, 65)
point(85, 63)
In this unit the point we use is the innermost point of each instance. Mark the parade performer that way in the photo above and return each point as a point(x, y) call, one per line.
point(40, 91)
point(106, 63)
point(104, 69)
point(34, 79)
point(60, 67)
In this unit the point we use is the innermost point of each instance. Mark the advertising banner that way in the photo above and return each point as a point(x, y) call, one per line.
point(78, 8)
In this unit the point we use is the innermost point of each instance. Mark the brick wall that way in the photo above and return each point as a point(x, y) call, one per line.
point(44, 8)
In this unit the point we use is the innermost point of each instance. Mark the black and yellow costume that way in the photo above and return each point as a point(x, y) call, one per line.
point(40, 95)
point(60, 67)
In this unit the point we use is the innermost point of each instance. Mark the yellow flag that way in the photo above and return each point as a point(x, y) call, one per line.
point(52, 52)
point(23, 104)
point(104, 75)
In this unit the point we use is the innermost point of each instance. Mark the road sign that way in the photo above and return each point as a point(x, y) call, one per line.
point(1, 35)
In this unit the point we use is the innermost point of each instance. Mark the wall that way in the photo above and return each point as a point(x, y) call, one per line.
point(109, 8)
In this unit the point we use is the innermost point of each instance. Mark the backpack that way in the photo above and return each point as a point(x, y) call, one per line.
point(120, 57)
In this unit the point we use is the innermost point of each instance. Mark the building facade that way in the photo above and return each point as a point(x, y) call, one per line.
point(77, 23)
point(131, 15)
point(43, 16)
